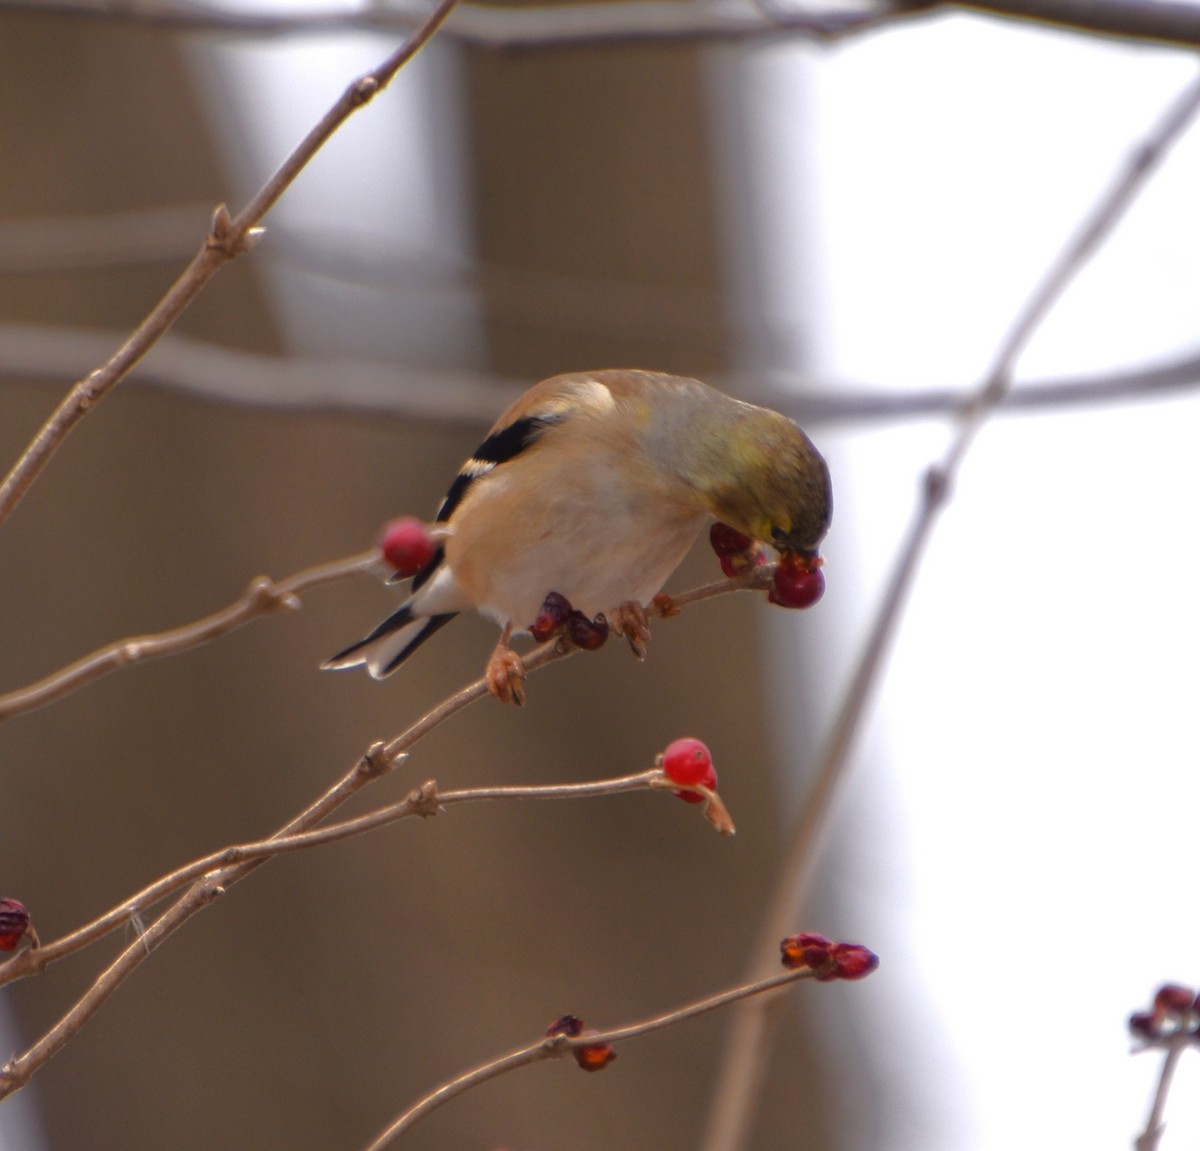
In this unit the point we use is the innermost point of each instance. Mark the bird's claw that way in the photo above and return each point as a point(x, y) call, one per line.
point(505, 675)
point(629, 620)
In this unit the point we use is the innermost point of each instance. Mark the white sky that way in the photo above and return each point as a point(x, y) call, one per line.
point(1028, 787)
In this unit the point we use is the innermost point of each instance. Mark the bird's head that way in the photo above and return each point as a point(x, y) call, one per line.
point(777, 487)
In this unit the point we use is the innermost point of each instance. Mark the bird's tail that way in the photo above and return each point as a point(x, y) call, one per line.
point(391, 643)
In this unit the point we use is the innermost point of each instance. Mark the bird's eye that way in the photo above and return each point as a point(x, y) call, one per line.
point(779, 536)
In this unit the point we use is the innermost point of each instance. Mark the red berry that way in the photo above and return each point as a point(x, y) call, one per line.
point(14, 922)
point(556, 609)
point(796, 585)
point(689, 762)
point(407, 546)
point(727, 541)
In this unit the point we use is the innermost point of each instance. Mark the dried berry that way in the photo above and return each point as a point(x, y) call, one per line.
point(556, 610)
point(588, 634)
point(738, 553)
point(853, 960)
point(1144, 1025)
point(727, 541)
point(569, 1025)
point(407, 546)
point(14, 923)
point(1171, 1001)
point(595, 1058)
point(806, 949)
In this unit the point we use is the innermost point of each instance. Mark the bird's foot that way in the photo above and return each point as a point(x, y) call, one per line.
point(505, 672)
point(629, 620)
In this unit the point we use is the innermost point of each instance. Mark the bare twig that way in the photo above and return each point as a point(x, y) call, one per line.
point(748, 1046)
point(1150, 1138)
point(423, 801)
point(227, 239)
point(214, 874)
point(260, 598)
point(556, 1046)
point(620, 22)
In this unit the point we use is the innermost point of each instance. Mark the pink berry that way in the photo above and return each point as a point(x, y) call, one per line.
point(688, 761)
point(796, 585)
point(407, 546)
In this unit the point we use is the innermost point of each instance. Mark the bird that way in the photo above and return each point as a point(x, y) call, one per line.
point(592, 486)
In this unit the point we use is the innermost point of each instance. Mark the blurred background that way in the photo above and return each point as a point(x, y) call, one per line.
point(817, 224)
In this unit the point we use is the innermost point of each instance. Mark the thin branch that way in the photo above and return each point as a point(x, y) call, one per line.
point(749, 1042)
point(537, 26)
point(423, 801)
point(1150, 1138)
point(213, 875)
point(541, 26)
point(557, 1046)
point(462, 396)
point(227, 239)
point(262, 597)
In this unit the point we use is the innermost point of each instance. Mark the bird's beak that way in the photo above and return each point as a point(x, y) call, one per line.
point(803, 560)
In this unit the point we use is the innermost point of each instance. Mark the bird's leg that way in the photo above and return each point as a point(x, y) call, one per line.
point(505, 671)
point(629, 620)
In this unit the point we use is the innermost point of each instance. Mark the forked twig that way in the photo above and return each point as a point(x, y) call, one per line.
point(212, 875)
point(227, 239)
point(260, 598)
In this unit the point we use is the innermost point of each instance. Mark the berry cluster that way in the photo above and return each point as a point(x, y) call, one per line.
point(591, 1057)
point(828, 959)
point(1176, 1012)
point(558, 616)
point(14, 924)
point(798, 581)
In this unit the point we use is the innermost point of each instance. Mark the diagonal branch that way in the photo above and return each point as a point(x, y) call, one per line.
point(227, 239)
point(748, 1047)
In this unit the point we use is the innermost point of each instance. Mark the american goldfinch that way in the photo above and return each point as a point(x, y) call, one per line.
point(594, 486)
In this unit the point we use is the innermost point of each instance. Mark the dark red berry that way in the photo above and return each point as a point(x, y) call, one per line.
point(554, 614)
point(1144, 1025)
point(727, 541)
point(14, 922)
point(407, 546)
point(796, 586)
point(853, 960)
point(1172, 1001)
point(588, 634)
point(569, 1025)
